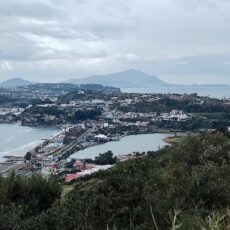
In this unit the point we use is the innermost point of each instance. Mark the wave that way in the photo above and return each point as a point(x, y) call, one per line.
point(17, 140)
point(21, 150)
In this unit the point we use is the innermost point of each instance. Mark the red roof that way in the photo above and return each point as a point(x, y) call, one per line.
point(71, 177)
point(78, 163)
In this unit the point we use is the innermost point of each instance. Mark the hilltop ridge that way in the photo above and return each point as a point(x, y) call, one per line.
point(14, 82)
point(124, 79)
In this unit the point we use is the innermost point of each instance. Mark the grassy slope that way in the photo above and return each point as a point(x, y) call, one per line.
point(174, 139)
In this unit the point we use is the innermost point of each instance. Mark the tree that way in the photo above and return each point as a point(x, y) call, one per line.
point(28, 156)
point(105, 159)
point(22, 197)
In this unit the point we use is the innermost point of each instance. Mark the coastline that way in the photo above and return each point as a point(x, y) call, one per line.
point(39, 143)
point(13, 161)
point(153, 144)
point(20, 150)
point(175, 139)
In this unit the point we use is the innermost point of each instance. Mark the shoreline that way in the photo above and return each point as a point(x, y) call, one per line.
point(5, 158)
point(177, 138)
point(13, 162)
point(10, 162)
point(21, 150)
point(121, 137)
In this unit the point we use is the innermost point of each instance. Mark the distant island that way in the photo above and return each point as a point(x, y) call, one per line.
point(133, 79)
point(14, 82)
point(124, 79)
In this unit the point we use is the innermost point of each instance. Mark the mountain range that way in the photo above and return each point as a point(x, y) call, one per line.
point(125, 79)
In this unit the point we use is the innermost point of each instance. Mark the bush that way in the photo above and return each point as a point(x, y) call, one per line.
point(22, 197)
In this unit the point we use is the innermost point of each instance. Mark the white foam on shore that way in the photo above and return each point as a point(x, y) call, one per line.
point(21, 136)
point(21, 150)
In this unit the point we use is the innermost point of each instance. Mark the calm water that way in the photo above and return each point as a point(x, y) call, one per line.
point(128, 144)
point(217, 92)
point(17, 140)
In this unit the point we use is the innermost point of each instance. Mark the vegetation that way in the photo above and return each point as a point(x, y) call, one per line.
point(91, 91)
point(6, 99)
point(53, 115)
point(105, 159)
point(184, 186)
point(81, 115)
point(166, 105)
point(22, 198)
point(188, 125)
point(174, 139)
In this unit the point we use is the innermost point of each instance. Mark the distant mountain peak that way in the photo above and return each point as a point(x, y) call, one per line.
point(125, 79)
point(14, 82)
point(132, 71)
point(136, 71)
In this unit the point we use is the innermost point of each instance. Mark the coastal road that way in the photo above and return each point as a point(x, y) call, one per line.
point(84, 135)
point(57, 153)
point(70, 146)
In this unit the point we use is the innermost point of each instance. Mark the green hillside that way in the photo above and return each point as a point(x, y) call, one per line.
point(185, 186)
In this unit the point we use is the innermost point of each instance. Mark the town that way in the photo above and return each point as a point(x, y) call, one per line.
point(88, 115)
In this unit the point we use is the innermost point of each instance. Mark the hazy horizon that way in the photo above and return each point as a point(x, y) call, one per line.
point(179, 41)
point(203, 80)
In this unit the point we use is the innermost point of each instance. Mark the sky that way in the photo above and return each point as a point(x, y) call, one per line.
point(180, 41)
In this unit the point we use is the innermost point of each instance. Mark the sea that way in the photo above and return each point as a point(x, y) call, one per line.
point(127, 145)
point(211, 91)
point(16, 140)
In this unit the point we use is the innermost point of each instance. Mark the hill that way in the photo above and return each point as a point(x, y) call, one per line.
point(92, 91)
point(125, 79)
point(14, 82)
point(185, 186)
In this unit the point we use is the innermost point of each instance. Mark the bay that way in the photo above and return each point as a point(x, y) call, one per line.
point(127, 145)
point(17, 140)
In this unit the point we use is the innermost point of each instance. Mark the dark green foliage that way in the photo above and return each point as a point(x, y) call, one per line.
point(192, 124)
point(91, 91)
point(81, 115)
point(192, 176)
point(37, 115)
point(105, 159)
point(166, 105)
point(52, 110)
point(28, 156)
point(38, 101)
point(6, 99)
point(21, 198)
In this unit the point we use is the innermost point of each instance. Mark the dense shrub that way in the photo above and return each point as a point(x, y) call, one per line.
point(185, 186)
point(22, 197)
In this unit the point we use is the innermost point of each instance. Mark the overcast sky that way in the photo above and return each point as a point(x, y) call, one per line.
point(180, 41)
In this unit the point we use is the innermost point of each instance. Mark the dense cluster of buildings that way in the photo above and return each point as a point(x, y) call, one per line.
point(88, 118)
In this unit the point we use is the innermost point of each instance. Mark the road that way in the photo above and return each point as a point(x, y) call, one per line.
point(70, 146)
point(84, 135)
point(56, 154)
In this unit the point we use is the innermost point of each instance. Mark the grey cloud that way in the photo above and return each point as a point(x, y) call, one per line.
point(15, 47)
point(193, 4)
point(28, 9)
point(60, 39)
